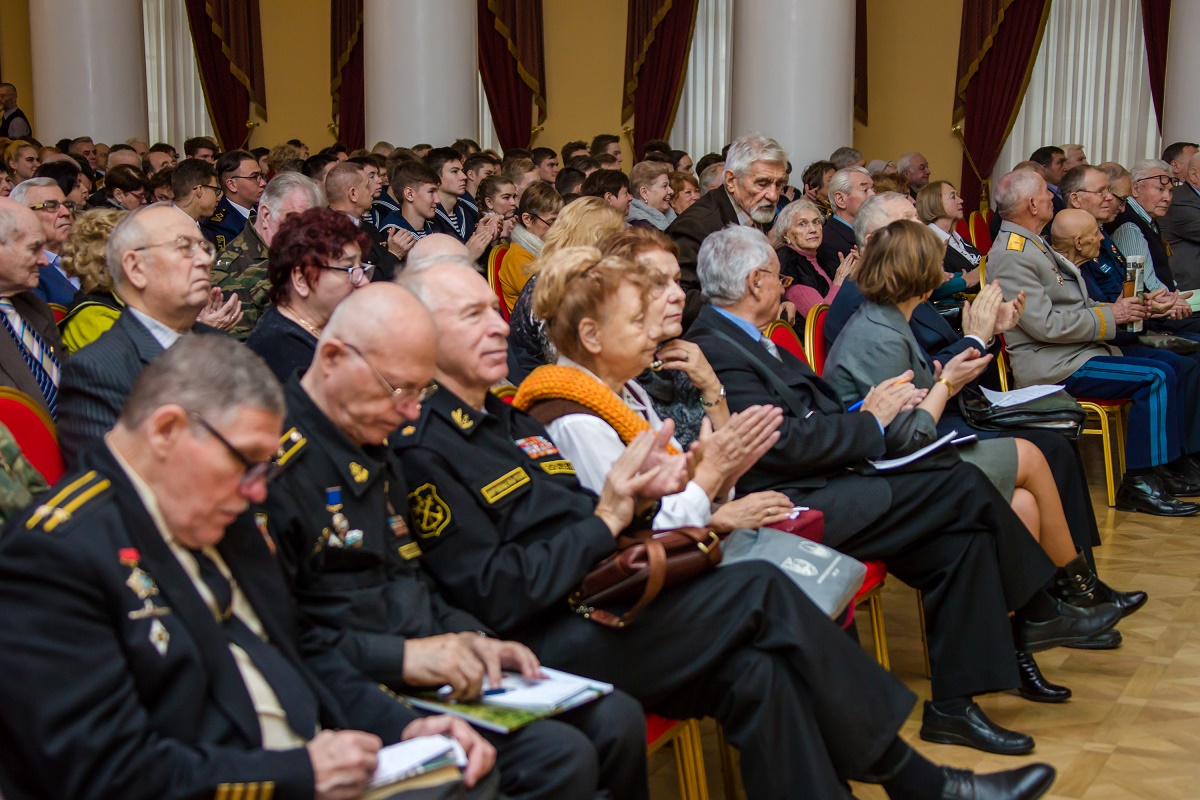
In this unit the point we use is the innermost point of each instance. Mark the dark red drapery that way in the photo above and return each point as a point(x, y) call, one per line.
point(1156, 22)
point(997, 49)
point(511, 67)
point(860, 62)
point(347, 87)
point(657, 44)
point(227, 37)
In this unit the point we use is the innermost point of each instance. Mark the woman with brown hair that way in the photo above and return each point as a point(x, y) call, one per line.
point(650, 185)
point(900, 270)
point(537, 210)
point(600, 316)
point(685, 190)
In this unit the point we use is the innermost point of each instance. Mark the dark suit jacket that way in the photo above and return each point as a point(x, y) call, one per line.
point(713, 211)
point(1181, 228)
point(14, 372)
point(54, 287)
point(97, 380)
point(837, 241)
point(818, 440)
point(93, 709)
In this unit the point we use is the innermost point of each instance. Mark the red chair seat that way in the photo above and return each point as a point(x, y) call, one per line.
point(657, 727)
point(876, 572)
point(33, 431)
point(1117, 403)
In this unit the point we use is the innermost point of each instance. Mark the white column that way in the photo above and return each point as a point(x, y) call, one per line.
point(793, 74)
point(419, 60)
point(1181, 112)
point(89, 69)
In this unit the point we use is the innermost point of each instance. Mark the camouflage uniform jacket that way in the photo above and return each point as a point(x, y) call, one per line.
point(242, 267)
point(19, 481)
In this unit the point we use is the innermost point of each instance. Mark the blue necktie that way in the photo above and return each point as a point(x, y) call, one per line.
point(38, 357)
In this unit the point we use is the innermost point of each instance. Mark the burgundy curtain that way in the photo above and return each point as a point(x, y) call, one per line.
point(227, 37)
point(347, 87)
point(1156, 22)
point(657, 44)
point(997, 49)
point(511, 67)
point(860, 62)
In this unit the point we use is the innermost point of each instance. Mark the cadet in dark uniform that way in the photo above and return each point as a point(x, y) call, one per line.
point(151, 652)
point(508, 533)
point(242, 182)
point(338, 511)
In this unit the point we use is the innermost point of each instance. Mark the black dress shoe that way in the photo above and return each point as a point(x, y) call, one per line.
point(1024, 783)
point(1034, 686)
point(1147, 494)
point(1178, 483)
point(1109, 640)
point(1073, 624)
point(972, 728)
point(1077, 583)
point(1128, 602)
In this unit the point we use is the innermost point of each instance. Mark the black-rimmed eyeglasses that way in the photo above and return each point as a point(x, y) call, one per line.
point(359, 274)
point(253, 469)
point(405, 395)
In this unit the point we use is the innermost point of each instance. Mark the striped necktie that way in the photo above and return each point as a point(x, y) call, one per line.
point(771, 348)
point(38, 357)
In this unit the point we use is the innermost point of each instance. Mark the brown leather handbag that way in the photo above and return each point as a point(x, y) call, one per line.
point(645, 563)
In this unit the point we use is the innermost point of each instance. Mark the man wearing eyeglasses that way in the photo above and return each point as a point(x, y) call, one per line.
point(242, 182)
point(149, 638)
point(338, 510)
point(197, 193)
point(160, 267)
point(1135, 230)
point(56, 215)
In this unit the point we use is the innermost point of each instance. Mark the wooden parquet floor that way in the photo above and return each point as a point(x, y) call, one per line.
point(1132, 729)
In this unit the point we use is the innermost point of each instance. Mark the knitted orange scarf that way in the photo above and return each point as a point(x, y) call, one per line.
point(567, 383)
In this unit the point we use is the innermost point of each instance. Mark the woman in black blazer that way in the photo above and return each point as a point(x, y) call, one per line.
point(940, 207)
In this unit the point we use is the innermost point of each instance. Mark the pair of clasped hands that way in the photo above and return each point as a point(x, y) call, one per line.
point(1159, 304)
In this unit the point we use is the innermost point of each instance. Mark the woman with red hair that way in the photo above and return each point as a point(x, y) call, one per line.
point(315, 263)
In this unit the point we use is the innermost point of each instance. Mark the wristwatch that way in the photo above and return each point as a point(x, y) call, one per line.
point(716, 402)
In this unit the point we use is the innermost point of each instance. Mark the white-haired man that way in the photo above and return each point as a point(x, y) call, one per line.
point(1062, 338)
point(915, 168)
point(848, 189)
point(1181, 228)
point(975, 561)
point(755, 175)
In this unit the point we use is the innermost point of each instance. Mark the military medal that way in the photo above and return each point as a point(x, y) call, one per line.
point(139, 581)
point(333, 504)
point(159, 637)
point(148, 611)
point(398, 525)
point(353, 538)
point(537, 447)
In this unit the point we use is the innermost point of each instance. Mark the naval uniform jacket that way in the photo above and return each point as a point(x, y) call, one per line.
point(224, 225)
point(338, 512)
point(118, 680)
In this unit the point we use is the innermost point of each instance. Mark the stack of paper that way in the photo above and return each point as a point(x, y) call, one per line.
point(1018, 396)
point(423, 756)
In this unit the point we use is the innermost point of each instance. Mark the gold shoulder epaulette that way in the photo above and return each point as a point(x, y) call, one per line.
point(67, 502)
point(290, 443)
point(255, 790)
point(1015, 242)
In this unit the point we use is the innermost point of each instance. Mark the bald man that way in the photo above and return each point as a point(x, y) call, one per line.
point(1065, 337)
point(161, 267)
point(339, 511)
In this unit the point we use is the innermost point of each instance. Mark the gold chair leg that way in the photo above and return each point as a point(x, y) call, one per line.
point(878, 630)
point(729, 774)
point(1106, 437)
point(1122, 426)
point(696, 761)
point(924, 635)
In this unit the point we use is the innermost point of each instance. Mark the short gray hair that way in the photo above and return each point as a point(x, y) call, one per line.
point(1015, 188)
point(784, 221)
point(712, 177)
point(875, 213)
point(752, 147)
point(126, 235)
point(18, 193)
point(840, 182)
point(905, 161)
point(726, 260)
point(1144, 168)
point(212, 375)
point(845, 156)
point(284, 184)
point(415, 276)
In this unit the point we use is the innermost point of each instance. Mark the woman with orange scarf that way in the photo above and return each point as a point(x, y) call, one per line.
point(605, 318)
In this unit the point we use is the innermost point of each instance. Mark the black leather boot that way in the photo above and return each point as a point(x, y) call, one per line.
point(1077, 584)
point(1034, 685)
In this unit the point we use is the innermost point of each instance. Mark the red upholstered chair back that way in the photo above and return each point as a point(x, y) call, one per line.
point(60, 311)
point(34, 432)
point(976, 229)
point(493, 275)
point(785, 338)
point(814, 337)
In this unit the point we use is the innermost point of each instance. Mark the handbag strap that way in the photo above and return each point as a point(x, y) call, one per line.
point(656, 578)
point(785, 392)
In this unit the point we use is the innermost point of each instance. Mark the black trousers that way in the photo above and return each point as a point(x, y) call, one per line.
point(598, 746)
point(805, 705)
point(949, 533)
